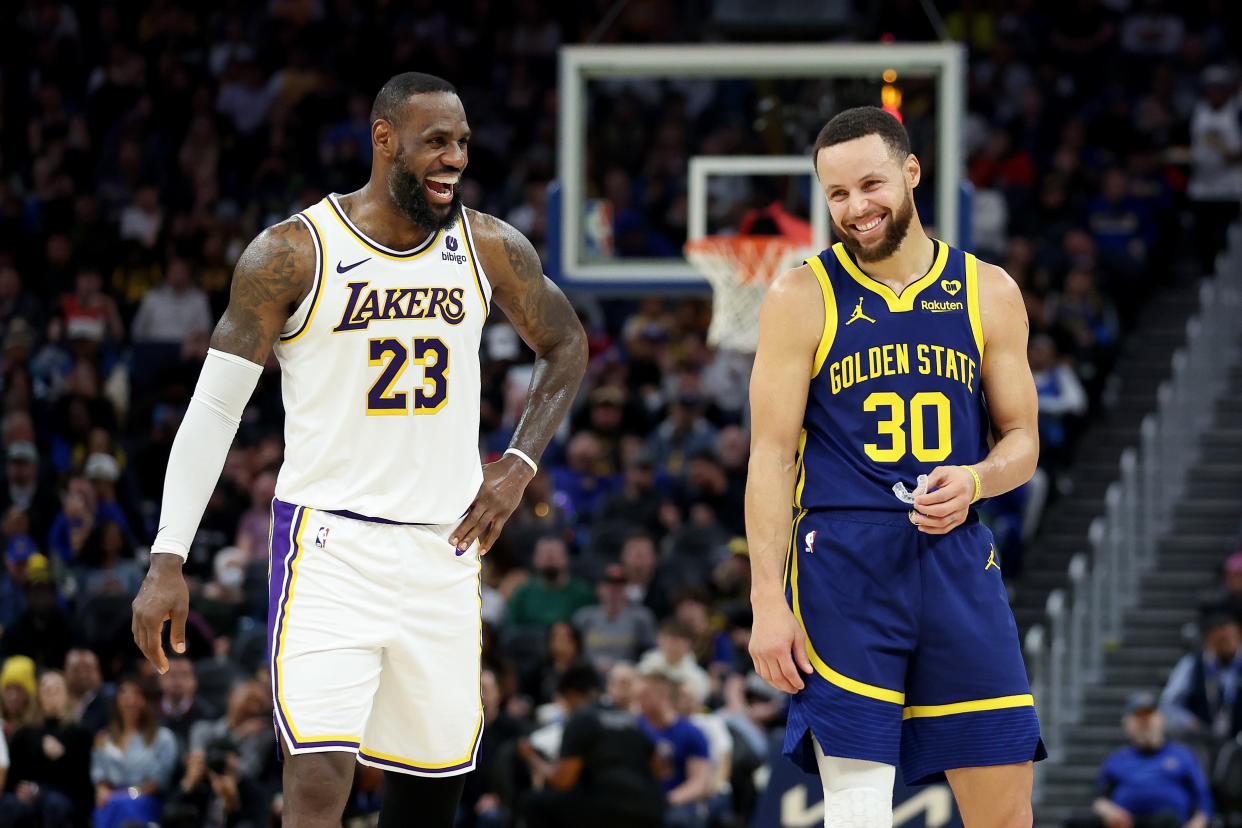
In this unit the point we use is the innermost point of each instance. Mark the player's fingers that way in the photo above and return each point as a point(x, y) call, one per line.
point(789, 672)
point(800, 656)
point(489, 538)
point(467, 527)
point(176, 629)
point(943, 509)
point(774, 678)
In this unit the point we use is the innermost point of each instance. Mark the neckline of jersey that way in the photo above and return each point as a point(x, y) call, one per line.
point(897, 302)
point(334, 202)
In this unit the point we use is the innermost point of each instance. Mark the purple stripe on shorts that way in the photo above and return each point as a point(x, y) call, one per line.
point(345, 513)
point(404, 766)
point(284, 518)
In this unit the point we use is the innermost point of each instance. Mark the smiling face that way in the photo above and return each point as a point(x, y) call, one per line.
point(870, 195)
point(428, 155)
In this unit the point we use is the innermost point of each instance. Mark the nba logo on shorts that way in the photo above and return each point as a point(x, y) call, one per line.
point(321, 537)
point(810, 541)
point(450, 242)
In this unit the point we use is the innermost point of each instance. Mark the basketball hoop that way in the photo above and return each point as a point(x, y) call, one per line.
point(740, 268)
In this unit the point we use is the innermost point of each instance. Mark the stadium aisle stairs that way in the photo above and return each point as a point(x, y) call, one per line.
point(1204, 532)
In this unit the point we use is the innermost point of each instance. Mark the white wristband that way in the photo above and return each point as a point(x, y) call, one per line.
point(521, 455)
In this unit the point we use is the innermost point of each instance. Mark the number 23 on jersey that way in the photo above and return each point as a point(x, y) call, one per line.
point(428, 352)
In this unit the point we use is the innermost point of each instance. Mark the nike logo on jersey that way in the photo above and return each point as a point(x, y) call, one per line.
point(347, 268)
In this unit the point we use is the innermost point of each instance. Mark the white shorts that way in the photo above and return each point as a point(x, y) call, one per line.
point(373, 631)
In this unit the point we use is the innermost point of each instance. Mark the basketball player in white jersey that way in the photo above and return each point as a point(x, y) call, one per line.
point(374, 302)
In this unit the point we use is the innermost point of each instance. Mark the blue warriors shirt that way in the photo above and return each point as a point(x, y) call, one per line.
point(895, 387)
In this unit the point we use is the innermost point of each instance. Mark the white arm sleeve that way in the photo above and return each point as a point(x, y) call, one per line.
point(200, 447)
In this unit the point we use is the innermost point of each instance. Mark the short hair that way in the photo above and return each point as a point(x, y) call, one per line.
point(860, 122)
point(580, 677)
point(393, 95)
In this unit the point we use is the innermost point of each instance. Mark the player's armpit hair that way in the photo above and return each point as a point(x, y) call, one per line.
point(271, 279)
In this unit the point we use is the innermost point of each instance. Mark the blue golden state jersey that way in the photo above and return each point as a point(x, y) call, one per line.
point(895, 388)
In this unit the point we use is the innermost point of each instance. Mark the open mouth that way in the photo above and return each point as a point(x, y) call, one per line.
point(440, 188)
point(868, 228)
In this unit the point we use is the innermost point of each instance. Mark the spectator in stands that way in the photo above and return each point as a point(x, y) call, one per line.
point(1202, 691)
point(133, 760)
point(621, 686)
point(90, 700)
point(638, 559)
point(684, 432)
point(17, 304)
point(692, 704)
point(1227, 598)
point(81, 512)
point(1215, 186)
point(26, 490)
point(482, 804)
point(17, 694)
point(604, 775)
point(1150, 783)
point(673, 657)
point(180, 706)
point(1062, 398)
point(585, 479)
point(614, 630)
point(638, 501)
point(684, 760)
point(248, 725)
point(214, 786)
point(553, 594)
point(50, 779)
point(174, 309)
point(42, 631)
point(252, 527)
point(15, 578)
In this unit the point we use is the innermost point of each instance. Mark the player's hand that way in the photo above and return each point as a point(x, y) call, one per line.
point(162, 597)
point(1119, 817)
point(776, 642)
point(501, 492)
point(947, 502)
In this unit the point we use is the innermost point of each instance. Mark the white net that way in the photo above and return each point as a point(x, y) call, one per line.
point(740, 268)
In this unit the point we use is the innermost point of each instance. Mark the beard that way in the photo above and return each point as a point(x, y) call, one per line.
point(894, 234)
point(410, 197)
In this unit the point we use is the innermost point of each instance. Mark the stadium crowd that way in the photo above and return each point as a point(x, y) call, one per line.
point(143, 144)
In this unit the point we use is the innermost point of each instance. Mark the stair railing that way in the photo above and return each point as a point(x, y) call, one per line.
point(1086, 621)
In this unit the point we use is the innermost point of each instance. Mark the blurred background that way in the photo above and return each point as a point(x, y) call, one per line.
point(143, 144)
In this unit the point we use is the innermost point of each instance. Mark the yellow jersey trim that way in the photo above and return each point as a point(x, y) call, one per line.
point(830, 675)
point(972, 302)
point(830, 314)
point(376, 247)
point(998, 703)
point(317, 290)
point(284, 622)
point(800, 470)
point(468, 237)
point(896, 303)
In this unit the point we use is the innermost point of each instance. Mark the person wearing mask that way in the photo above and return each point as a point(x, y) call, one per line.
point(50, 779)
point(133, 760)
point(554, 595)
point(1151, 782)
point(604, 775)
point(614, 630)
point(1201, 695)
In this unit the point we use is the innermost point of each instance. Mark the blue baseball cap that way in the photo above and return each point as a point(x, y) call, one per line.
point(1142, 701)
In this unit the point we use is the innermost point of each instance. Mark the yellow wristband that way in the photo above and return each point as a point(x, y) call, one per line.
point(978, 483)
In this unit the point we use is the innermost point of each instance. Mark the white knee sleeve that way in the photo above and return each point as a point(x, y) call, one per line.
point(857, 793)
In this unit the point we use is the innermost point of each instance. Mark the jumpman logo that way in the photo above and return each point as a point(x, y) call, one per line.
point(991, 560)
point(858, 314)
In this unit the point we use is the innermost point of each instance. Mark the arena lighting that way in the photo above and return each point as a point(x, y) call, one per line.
point(890, 97)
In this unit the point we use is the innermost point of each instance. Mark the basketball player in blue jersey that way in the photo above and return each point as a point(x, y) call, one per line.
point(374, 302)
point(887, 357)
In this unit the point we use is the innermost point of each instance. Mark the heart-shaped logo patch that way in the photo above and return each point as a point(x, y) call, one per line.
point(951, 286)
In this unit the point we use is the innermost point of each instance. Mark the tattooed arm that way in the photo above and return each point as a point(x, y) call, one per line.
point(547, 322)
point(272, 277)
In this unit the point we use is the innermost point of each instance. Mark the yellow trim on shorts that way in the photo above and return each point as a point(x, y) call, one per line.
point(972, 302)
point(999, 703)
point(829, 333)
point(830, 675)
point(293, 579)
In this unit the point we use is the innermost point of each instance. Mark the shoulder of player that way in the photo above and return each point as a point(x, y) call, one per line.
point(503, 250)
point(282, 257)
point(793, 309)
point(999, 294)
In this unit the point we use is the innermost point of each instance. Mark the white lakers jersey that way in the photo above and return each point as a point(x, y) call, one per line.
point(380, 375)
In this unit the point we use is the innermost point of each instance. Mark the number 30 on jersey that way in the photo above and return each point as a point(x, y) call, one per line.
point(894, 427)
point(430, 353)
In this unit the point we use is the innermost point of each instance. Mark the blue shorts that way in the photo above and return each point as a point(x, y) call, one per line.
point(915, 649)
